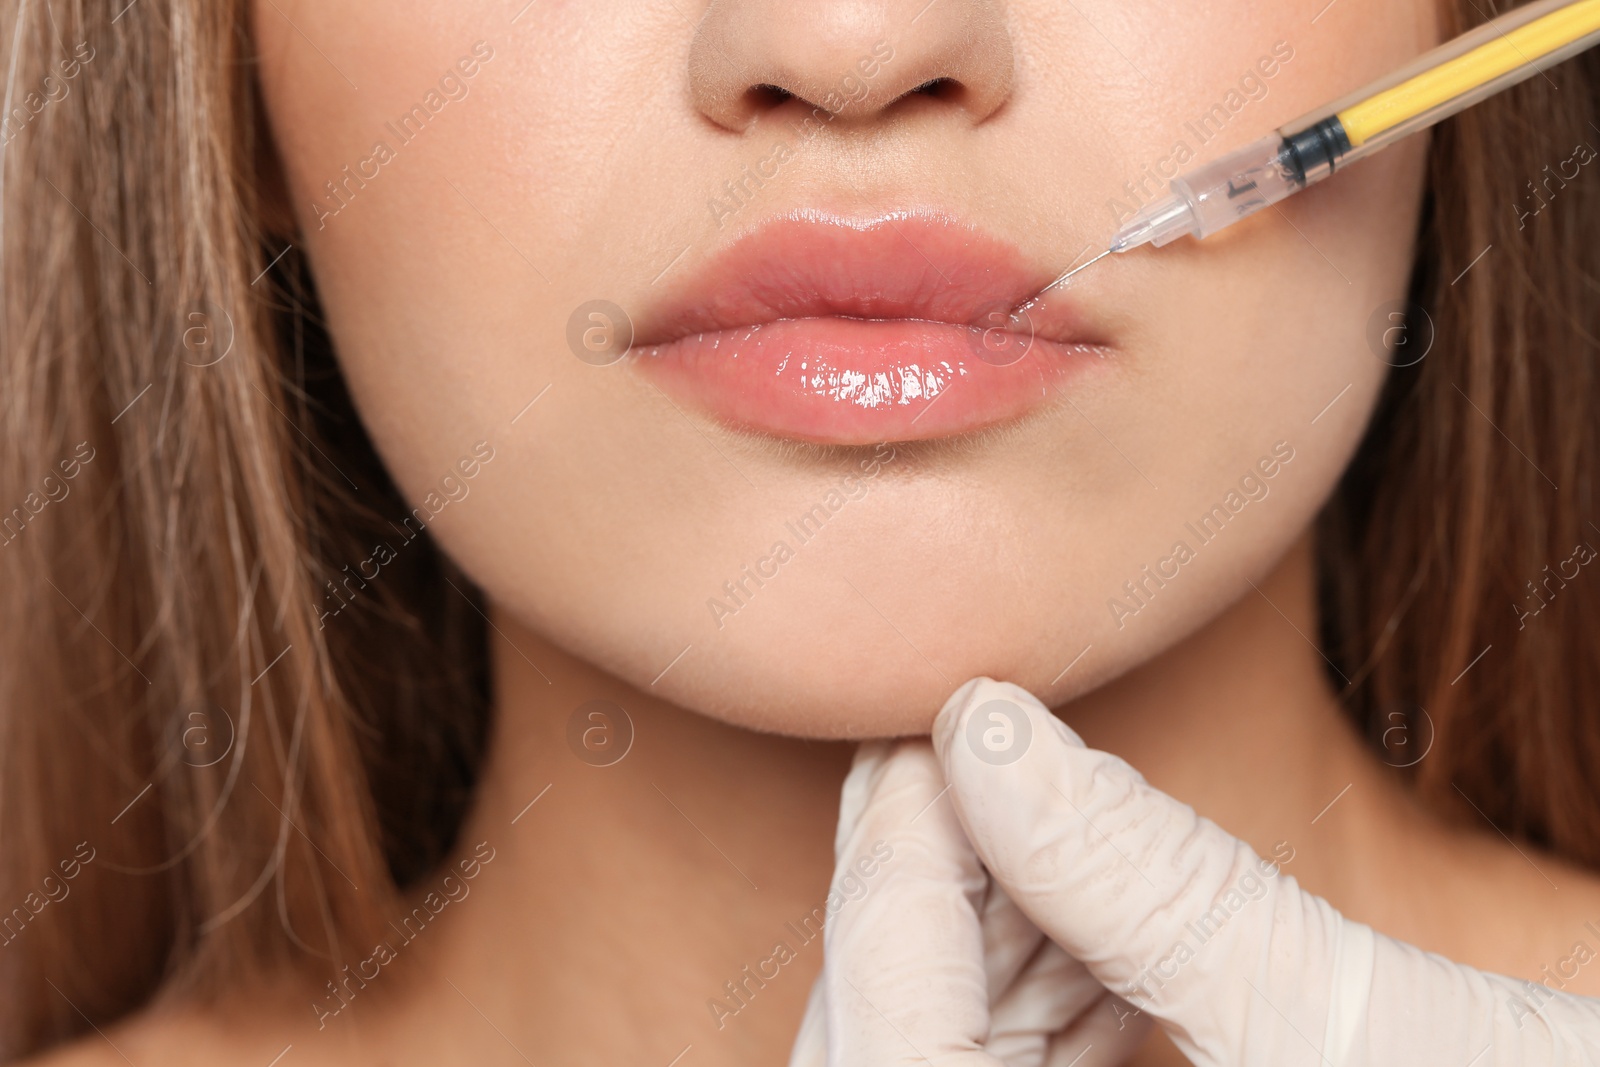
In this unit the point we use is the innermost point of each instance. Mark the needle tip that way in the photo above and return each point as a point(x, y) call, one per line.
point(1026, 304)
point(1075, 270)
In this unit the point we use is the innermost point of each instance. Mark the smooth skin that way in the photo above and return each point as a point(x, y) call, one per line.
point(580, 166)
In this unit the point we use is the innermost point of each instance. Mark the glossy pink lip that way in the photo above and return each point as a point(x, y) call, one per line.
point(894, 330)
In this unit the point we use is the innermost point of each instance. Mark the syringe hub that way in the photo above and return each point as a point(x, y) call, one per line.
point(1162, 222)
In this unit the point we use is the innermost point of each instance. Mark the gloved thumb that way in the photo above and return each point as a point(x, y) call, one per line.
point(1167, 909)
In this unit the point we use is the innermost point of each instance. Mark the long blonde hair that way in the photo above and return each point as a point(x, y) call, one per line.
point(162, 345)
point(167, 600)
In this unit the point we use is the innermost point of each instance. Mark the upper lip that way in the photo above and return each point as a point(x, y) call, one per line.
point(911, 266)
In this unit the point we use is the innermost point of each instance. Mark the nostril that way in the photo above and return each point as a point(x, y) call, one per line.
point(757, 61)
point(764, 96)
point(940, 88)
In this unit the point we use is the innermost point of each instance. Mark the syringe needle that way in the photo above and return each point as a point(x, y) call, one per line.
point(1074, 270)
point(1028, 303)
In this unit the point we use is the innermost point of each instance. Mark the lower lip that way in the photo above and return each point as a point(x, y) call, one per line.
point(835, 380)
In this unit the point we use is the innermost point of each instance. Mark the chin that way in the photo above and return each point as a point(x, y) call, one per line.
point(858, 677)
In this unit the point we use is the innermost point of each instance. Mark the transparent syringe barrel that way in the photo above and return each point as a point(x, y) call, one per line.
point(1238, 184)
point(1204, 200)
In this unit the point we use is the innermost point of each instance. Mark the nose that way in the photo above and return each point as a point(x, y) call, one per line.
point(856, 60)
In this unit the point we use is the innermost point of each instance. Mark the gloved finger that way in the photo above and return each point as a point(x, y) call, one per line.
point(1237, 963)
point(1051, 996)
point(1035, 989)
point(1105, 1034)
point(904, 973)
point(810, 1047)
point(1040, 988)
point(1010, 942)
point(1008, 936)
point(1123, 876)
point(1029, 1007)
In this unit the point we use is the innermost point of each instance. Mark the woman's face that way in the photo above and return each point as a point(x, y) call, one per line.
point(832, 479)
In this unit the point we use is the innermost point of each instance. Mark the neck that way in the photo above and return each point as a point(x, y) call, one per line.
point(1241, 721)
point(633, 910)
point(642, 898)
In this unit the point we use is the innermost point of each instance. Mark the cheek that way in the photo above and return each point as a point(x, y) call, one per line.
point(1260, 335)
point(448, 278)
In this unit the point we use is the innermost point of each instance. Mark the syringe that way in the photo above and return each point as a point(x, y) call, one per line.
point(1449, 79)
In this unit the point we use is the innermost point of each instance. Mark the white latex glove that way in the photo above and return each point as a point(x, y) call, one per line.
point(1120, 876)
point(925, 959)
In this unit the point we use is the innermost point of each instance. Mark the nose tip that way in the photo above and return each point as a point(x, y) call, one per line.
point(856, 61)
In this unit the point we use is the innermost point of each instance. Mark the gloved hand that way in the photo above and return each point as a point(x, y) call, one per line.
point(1234, 960)
point(926, 959)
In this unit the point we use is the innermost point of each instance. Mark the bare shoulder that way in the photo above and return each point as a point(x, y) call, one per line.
point(140, 1038)
point(89, 1050)
point(1532, 916)
point(1571, 962)
point(173, 1037)
point(76, 1054)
